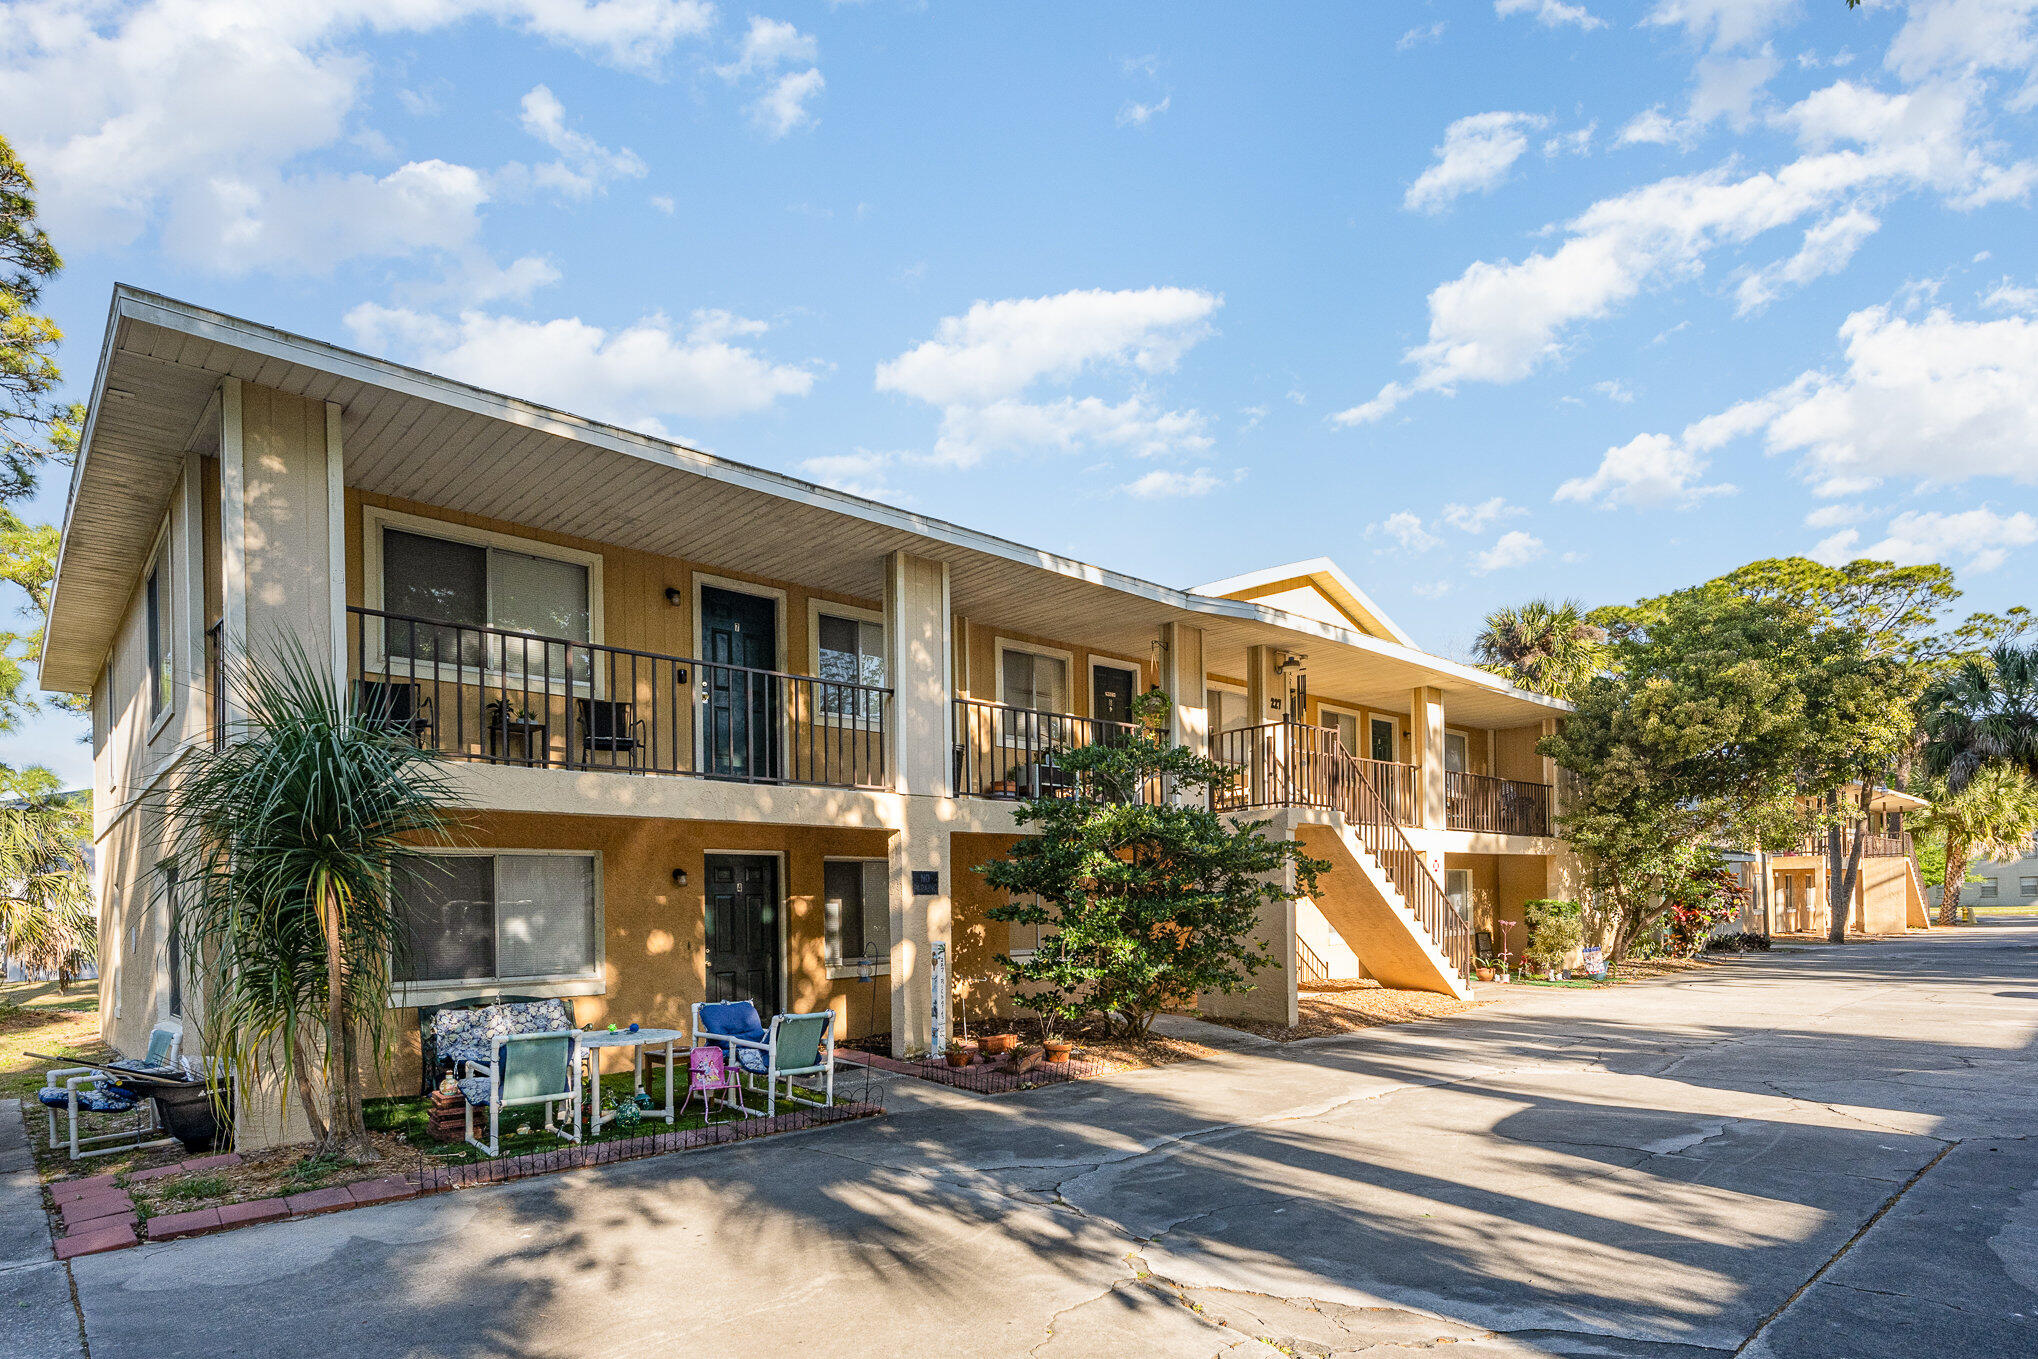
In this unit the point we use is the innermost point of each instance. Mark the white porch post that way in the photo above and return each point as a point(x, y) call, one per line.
point(920, 744)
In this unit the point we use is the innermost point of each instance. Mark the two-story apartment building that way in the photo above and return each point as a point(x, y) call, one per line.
point(720, 732)
point(1791, 890)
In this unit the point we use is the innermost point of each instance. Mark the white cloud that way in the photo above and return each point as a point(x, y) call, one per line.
point(1648, 470)
point(584, 164)
point(1405, 527)
point(1613, 389)
point(1135, 114)
point(1476, 154)
point(1934, 397)
point(2011, 296)
point(663, 202)
point(1513, 548)
point(1651, 127)
point(1478, 518)
point(1723, 24)
point(1549, 13)
point(1577, 142)
point(767, 45)
point(1834, 516)
point(1161, 484)
point(629, 376)
point(1497, 322)
point(768, 49)
point(861, 472)
point(1828, 246)
point(783, 108)
point(1435, 589)
point(1415, 37)
point(190, 121)
point(1979, 539)
point(1135, 425)
point(997, 349)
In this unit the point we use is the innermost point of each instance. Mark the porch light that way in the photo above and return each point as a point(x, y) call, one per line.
point(679, 877)
point(674, 596)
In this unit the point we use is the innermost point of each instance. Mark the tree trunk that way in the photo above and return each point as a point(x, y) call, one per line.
point(347, 1134)
point(1836, 906)
point(1836, 929)
point(1956, 873)
point(301, 1068)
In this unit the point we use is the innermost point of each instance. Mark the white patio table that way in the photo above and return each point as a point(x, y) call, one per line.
point(592, 1041)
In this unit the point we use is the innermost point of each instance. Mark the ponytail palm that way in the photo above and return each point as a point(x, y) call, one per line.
point(289, 837)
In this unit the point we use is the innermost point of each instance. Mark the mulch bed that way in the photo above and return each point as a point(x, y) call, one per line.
point(1352, 1006)
point(1096, 1053)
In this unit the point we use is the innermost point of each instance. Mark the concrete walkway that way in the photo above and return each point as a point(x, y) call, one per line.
point(37, 1320)
point(1812, 1153)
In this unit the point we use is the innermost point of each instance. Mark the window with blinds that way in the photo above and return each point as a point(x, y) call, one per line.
point(857, 914)
point(466, 587)
point(1034, 681)
point(497, 917)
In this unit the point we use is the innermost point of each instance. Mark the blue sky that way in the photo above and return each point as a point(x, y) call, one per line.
point(1482, 300)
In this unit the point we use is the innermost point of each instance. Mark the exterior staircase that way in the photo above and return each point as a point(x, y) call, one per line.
point(1380, 894)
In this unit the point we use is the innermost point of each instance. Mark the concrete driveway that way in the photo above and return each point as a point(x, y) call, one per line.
point(1812, 1153)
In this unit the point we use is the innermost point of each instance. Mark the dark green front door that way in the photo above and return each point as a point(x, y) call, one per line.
point(743, 929)
point(739, 634)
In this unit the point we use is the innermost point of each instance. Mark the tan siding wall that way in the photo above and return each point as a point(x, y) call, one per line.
point(1518, 759)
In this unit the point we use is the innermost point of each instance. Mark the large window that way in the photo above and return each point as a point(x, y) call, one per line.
point(858, 915)
point(1458, 887)
point(1990, 888)
point(467, 586)
point(2027, 887)
point(850, 651)
point(1029, 679)
point(497, 917)
point(1457, 752)
point(156, 607)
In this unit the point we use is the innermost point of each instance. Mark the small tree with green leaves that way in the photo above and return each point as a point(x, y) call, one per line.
point(48, 922)
point(1554, 929)
point(1145, 902)
point(1990, 816)
point(289, 838)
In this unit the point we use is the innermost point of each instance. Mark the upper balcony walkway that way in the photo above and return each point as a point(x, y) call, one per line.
point(476, 693)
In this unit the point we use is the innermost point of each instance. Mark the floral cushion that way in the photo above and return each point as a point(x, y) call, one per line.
point(98, 1099)
point(471, 1035)
point(476, 1089)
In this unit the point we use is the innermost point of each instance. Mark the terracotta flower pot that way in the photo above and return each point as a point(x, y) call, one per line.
point(961, 1054)
point(997, 1044)
point(1058, 1051)
point(1484, 973)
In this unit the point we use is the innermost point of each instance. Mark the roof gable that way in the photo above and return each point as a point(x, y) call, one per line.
point(1316, 589)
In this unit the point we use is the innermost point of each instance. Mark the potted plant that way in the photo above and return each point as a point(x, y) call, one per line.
point(960, 1054)
point(1058, 1049)
point(1554, 929)
point(997, 1044)
point(1483, 968)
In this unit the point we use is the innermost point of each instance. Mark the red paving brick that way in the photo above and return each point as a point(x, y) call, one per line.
point(91, 1243)
point(183, 1224)
point(381, 1191)
point(154, 1173)
point(65, 1190)
point(318, 1201)
point(80, 1211)
point(258, 1210)
point(219, 1162)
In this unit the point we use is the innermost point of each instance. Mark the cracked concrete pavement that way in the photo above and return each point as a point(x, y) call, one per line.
point(1818, 1152)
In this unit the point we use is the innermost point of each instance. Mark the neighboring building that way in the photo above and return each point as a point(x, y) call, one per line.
point(1889, 893)
point(2013, 884)
point(723, 733)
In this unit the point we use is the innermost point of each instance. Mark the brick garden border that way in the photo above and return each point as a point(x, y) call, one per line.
point(99, 1215)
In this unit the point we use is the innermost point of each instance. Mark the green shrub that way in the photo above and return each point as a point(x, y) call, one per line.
point(1554, 929)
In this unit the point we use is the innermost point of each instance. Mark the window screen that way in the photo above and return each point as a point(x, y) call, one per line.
point(1037, 682)
point(157, 607)
point(448, 906)
point(1457, 756)
point(443, 581)
point(538, 594)
point(544, 911)
point(1347, 728)
point(852, 652)
point(857, 915)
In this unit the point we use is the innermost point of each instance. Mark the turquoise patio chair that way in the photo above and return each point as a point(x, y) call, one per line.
point(793, 1045)
point(529, 1068)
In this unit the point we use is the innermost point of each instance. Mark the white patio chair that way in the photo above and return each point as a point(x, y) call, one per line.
point(88, 1089)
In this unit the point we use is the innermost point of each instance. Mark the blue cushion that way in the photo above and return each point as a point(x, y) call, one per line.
point(95, 1099)
point(476, 1089)
point(753, 1060)
point(733, 1019)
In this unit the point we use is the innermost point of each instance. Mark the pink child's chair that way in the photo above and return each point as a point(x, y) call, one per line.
point(707, 1072)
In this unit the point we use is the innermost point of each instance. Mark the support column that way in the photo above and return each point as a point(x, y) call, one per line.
point(920, 662)
point(1183, 676)
point(1426, 741)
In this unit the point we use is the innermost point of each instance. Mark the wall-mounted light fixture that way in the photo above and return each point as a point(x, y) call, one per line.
point(679, 877)
point(674, 596)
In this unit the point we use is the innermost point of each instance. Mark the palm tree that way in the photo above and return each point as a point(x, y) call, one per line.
point(289, 837)
point(48, 922)
point(1985, 712)
point(1542, 646)
point(1991, 817)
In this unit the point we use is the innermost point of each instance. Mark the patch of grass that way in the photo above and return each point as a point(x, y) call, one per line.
point(196, 1187)
point(407, 1118)
point(313, 1171)
point(33, 1018)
